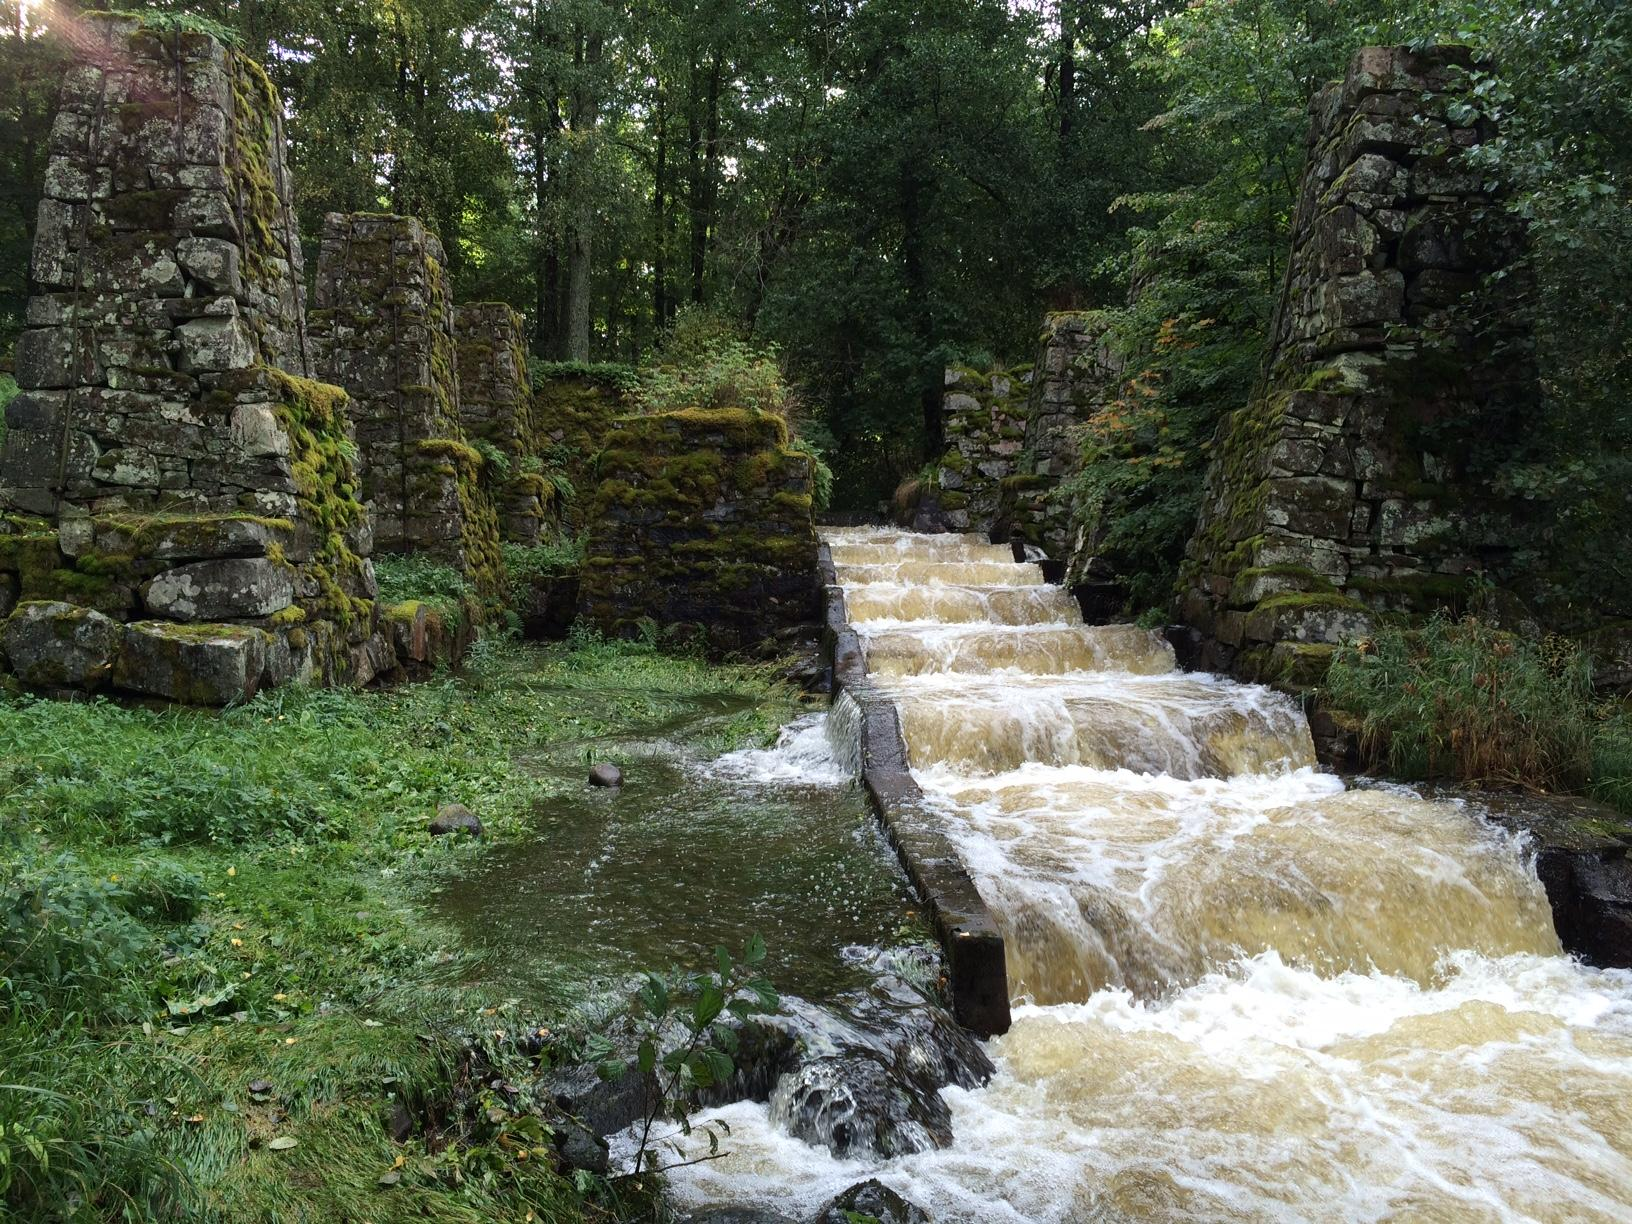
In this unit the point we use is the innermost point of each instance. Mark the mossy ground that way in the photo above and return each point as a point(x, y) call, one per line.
point(194, 903)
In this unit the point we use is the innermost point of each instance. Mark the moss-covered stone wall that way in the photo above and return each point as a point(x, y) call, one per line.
point(181, 513)
point(574, 408)
point(496, 407)
point(1077, 373)
point(701, 527)
point(985, 422)
point(1342, 490)
point(382, 327)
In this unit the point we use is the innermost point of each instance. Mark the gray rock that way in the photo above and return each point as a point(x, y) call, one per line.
point(606, 774)
point(60, 645)
point(196, 664)
point(580, 1147)
point(872, 1199)
point(455, 818)
point(207, 590)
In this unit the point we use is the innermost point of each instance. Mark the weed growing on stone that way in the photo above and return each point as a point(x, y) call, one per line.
point(218, 993)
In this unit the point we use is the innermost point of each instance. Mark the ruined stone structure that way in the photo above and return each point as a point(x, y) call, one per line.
point(1077, 374)
point(701, 525)
point(496, 407)
point(382, 327)
point(1343, 488)
point(181, 517)
point(985, 421)
point(573, 411)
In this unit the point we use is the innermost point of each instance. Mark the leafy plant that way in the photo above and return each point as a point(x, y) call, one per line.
point(687, 1036)
point(1462, 699)
point(494, 460)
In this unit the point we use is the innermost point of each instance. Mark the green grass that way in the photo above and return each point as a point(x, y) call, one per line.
point(8, 392)
point(193, 902)
point(1463, 700)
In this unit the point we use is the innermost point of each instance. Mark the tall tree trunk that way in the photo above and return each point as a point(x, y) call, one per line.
point(705, 189)
point(1068, 74)
point(920, 314)
point(580, 245)
point(660, 262)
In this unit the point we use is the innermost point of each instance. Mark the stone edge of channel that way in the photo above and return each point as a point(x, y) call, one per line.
point(977, 969)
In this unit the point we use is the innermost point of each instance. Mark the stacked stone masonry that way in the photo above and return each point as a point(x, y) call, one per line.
point(496, 407)
point(1077, 374)
point(178, 513)
point(701, 527)
point(1342, 489)
point(382, 327)
point(985, 421)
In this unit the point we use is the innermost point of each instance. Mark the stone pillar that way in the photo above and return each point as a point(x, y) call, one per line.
point(167, 468)
point(985, 421)
point(1077, 374)
point(382, 327)
point(496, 407)
point(1343, 489)
point(701, 526)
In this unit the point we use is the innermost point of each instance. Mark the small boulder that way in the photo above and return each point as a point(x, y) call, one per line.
point(580, 1147)
point(453, 818)
point(872, 1199)
point(60, 645)
point(606, 774)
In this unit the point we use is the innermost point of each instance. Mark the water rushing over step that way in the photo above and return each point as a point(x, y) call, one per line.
point(1246, 992)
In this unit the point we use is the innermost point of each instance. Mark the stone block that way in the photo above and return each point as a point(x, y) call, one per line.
point(60, 645)
point(210, 665)
point(210, 590)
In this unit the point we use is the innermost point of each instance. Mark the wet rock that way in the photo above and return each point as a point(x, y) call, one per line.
point(868, 1075)
point(872, 1199)
point(604, 1106)
point(60, 645)
point(736, 1215)
point(606, 774)
point(455, 818)
point(580, 1147)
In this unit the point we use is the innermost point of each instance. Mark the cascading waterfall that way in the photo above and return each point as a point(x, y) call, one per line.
point(1245, 992)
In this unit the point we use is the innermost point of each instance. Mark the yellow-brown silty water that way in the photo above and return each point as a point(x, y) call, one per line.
point(1244, 991)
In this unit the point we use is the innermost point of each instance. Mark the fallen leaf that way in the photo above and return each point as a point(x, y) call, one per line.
point(390, 1177)
point(283, 1143)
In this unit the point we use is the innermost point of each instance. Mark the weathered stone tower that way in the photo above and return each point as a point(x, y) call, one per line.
point(382, 327)
point(181, 513)
point(496, 406)
point(1343, 488)
point(985, 413)
point(1077, 374)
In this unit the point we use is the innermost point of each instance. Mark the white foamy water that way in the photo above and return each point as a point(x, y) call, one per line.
point(1243, 991)
point(804, 755)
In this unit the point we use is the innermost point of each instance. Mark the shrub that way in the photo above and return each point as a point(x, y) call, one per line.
point(1465, 700)
point(706, 364)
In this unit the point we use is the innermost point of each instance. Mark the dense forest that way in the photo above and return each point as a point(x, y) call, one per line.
point(875, 189)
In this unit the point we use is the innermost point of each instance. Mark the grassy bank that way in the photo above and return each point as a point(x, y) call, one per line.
point(217, 987)
point(1464, 701)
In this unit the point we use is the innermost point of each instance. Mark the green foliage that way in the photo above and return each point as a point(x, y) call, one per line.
point(527, 564)
point(686, 1031)
point(608, 373)
point(408, 576)
point(164, 20)
point(150, 979)
point(8, 392)
point(705, 364)
point(1461, 699)
point(496, 463)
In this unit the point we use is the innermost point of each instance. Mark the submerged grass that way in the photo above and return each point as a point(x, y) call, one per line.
point(216, 985)
point(1464, 700)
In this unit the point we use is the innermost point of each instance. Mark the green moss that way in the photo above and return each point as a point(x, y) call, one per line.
point(1299, 600)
